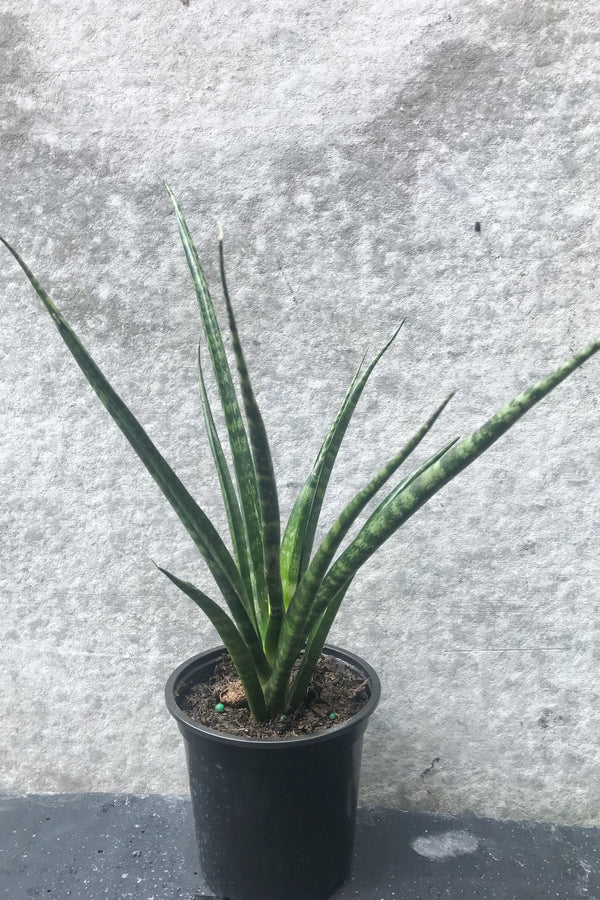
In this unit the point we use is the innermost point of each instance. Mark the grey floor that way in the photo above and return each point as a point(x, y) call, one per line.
point(117, 846)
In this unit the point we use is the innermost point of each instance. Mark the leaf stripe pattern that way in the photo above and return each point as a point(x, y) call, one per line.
point(232, 639)
point(198, 525)
point(382, 525)
point(304, 610)
point(299, 535)
point(263, 465)
point(232, 509)
point(238, 440)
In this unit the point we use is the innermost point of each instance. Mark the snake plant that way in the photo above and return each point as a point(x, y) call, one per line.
point(282, 595)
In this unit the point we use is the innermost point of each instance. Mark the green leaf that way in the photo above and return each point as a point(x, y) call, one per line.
point(232, 509)
point(263, 465)
point(196, 522)
point(247, 666)
point(305, 608)
point(300, 532)
point(324, 607)
point(294, 537)
point(315, 573)
point(384, 522)
point(242, 458)
point(314, 648)
point(412, 475)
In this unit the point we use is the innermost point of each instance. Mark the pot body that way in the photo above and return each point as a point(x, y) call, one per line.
point(274, 818)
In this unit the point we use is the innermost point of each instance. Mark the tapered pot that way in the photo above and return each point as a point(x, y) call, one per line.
point(274, 818)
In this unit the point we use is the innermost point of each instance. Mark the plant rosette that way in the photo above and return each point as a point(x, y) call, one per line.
point(281, 593)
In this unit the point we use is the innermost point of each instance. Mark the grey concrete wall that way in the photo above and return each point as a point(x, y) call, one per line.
point(349, 148)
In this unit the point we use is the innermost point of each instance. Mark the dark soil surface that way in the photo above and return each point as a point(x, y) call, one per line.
point(336, 693)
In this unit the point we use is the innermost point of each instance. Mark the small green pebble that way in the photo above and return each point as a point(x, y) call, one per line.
point(220, 707)
point(333, 715)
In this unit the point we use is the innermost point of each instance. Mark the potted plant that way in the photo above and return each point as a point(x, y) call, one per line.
point(275, 815)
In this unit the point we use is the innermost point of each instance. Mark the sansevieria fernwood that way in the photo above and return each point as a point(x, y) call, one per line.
point(281, 593)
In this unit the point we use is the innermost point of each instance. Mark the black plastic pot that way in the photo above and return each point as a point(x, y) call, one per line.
point(274, 818)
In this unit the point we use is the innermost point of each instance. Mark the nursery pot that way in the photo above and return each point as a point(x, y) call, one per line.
point(274, 818)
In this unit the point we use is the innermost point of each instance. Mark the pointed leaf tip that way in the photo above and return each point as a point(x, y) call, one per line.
point(395, 334)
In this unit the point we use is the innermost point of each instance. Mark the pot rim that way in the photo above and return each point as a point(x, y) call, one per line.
point(185, 722)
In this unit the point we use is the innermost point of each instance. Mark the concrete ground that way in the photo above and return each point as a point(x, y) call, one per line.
point(92, 846)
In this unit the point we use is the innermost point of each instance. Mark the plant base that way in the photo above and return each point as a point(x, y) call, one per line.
point(274, 818)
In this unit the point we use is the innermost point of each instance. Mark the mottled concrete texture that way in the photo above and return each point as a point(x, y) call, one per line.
point(349, 149)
